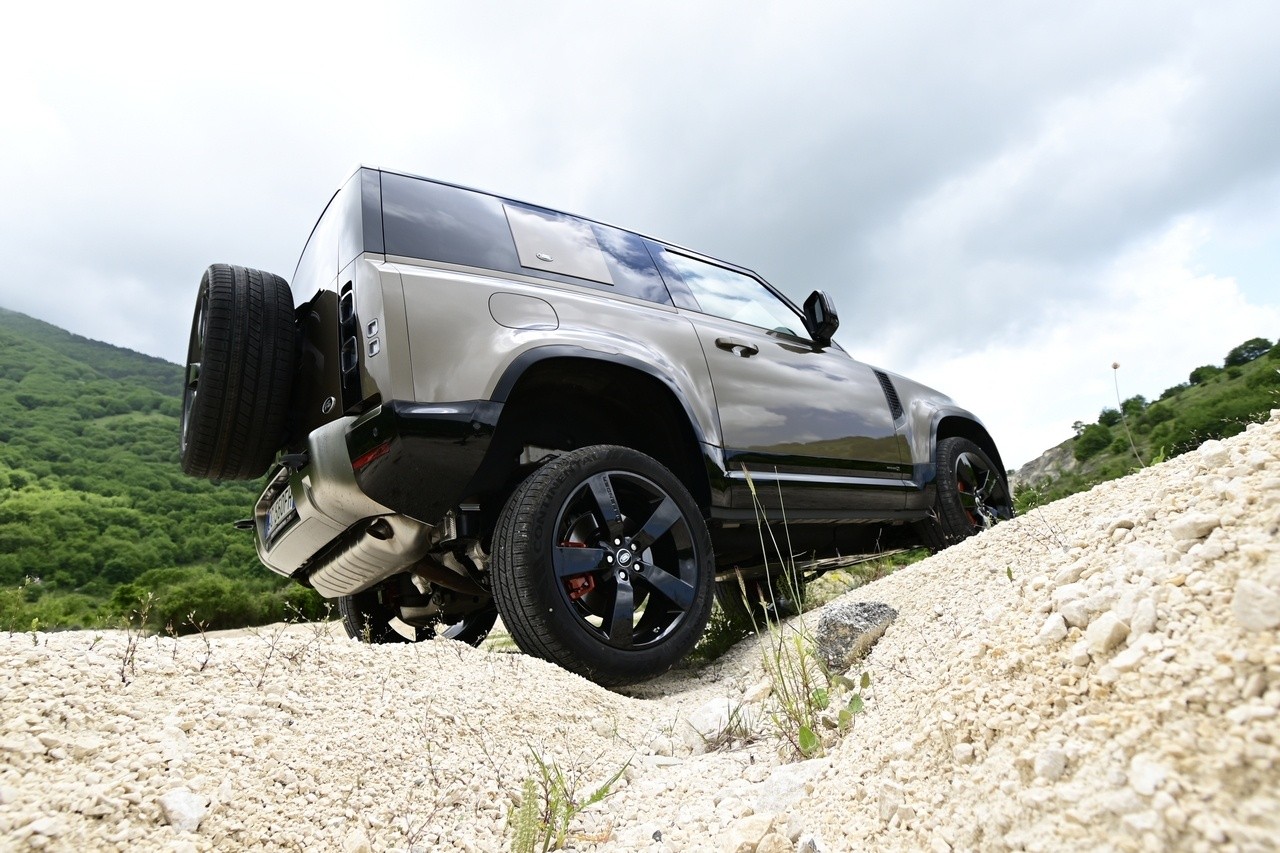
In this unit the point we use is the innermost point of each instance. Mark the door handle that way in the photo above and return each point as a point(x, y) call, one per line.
point(742, 348)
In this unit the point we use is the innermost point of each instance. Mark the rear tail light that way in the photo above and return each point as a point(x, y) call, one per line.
point(363, 460)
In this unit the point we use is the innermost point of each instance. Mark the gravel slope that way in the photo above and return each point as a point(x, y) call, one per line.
point(1101, 673)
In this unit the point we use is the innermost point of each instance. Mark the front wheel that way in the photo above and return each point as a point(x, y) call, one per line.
point(602, 564)
point(972, 493)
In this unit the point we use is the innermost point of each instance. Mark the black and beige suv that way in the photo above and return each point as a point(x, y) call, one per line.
point(471, 406)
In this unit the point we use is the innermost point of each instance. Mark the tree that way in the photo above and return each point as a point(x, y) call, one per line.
point(1094, 439)
point(1207, 371)
point(1134, 406)
point(1109, 417)
point(1247, 352)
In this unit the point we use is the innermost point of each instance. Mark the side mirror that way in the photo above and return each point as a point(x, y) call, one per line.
point(820, 317)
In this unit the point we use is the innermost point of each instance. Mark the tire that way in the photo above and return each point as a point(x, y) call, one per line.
point(972, 494)
point(602, 564)
point(373, 617)
point(241, 358)
point(769, 599)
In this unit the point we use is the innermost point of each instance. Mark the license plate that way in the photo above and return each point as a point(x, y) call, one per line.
point(282, 510)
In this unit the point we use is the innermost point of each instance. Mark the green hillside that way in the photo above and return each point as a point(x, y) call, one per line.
point(94, 509)
point(1216, 401)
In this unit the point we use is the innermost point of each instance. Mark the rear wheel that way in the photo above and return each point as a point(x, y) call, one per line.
point(241, 357)
point(972, 493)
point(395, 611)
point(602, 564)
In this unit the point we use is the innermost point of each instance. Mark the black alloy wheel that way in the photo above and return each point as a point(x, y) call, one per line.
point(973, 494)
point(602, 564)
point(375, 615)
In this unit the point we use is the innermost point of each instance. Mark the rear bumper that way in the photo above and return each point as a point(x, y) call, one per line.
point(342, 531)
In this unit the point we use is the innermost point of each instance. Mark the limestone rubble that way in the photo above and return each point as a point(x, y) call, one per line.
point(1101, 672)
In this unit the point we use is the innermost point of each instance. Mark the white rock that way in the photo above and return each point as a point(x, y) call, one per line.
point(1144, 618)
point(1255, 606)
point(183, 810)
point(1069, 592)
point(1194, 525)
point(890, 799)
point(1053, 630)
point(1258, 459)
point(962, 753)
point(787, 785)
point(1129, 658)
point(744, 834)
point(774, 842)
point(356, 841)
point(810, 843)
point(1105, 633)
point(1051, 764)
point(1075, 614)
point(50, 827)
point(1146, 774)
point(1214, 453)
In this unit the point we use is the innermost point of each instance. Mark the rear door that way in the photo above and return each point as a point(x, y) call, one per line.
point(810, 426)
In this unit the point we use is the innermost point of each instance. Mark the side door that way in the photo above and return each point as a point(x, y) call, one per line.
point(809, 425)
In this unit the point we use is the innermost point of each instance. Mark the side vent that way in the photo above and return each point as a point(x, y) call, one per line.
point(890, 394)
point(349, 349)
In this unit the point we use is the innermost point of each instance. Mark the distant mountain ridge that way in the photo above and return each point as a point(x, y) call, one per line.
point(111, 361)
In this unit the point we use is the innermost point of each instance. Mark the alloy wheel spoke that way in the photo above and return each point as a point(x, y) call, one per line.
point(620, 625)
point(574, 560)
point(662, 520)
point(602, 491)
point(193, 374)
point(965, 473)
point(674, 589)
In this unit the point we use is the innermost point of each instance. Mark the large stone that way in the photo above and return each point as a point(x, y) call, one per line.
point(848, 629)
point(1053, 630)
point(1256, 607)
point(1214, 453)
point(745, 834)
point(1194, 525)
point(183, 809)
point(788, 784)
point(1051, 764)
point(1105, 633)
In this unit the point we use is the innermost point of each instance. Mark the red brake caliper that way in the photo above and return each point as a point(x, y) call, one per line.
point(578, 585)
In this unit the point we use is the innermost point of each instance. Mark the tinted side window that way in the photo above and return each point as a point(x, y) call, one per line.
point(726, 293)
point(421, 219)
point(436, 222)
point(631, 265)
point(565, 246)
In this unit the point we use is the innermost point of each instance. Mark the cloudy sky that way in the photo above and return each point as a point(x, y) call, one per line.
point(1003, 198)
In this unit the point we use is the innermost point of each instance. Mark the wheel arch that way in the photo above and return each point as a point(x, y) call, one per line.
point(639, 407)
point(964, 425)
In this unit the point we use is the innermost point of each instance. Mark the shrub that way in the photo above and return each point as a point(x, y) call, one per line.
point(1092, 441)
point(1204, 373)
point(1109, 417)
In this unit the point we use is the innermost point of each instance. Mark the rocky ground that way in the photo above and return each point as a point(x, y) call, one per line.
point(1100, 673)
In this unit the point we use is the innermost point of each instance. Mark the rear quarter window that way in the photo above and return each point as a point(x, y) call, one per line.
point(437, 222)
